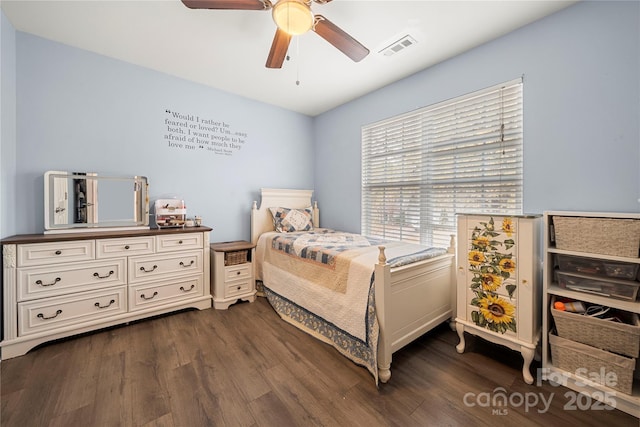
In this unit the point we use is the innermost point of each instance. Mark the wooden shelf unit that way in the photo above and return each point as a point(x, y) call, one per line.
point(596, 391)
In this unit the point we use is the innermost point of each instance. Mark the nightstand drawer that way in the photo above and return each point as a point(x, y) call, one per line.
point(54, 253)
point(165, 292)
point(109, 248)
point(235, 272)
point(238, 288)
point(179, 242)
point(83, 307)
point(40, 282)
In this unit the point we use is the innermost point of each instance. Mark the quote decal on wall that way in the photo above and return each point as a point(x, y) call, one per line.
point(191, 132)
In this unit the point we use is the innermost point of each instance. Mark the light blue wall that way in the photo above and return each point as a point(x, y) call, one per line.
point(81, 111)
point(581, 70)
point(76, 110)
point(7, 127)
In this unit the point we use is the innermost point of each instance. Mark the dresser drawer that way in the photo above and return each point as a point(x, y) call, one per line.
point(55, 253)
point(164, 292)
point(171, 264)
point(39, 282)
point(178, 242)
point(235, 272)
point(57, 312)
point(238, 287)
point(110, 248)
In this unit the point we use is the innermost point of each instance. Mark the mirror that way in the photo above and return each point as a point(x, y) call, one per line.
point(84, 201)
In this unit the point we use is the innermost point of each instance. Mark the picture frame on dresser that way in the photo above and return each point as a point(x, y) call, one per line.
point(62, 284)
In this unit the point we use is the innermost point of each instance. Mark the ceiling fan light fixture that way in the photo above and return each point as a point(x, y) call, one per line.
point(293, 16)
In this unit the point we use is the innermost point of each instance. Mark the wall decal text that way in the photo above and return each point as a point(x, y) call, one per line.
point(191, 132)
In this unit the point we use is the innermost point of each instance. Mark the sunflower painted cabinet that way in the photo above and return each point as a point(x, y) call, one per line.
point(498, 282)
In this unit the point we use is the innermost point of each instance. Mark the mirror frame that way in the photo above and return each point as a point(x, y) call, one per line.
point(140, 208)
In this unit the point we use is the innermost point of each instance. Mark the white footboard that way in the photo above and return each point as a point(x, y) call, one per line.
point(411, 300)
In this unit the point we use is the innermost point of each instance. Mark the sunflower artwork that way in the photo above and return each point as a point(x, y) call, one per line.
point(491, 268)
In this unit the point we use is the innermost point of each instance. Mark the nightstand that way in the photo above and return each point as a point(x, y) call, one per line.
point(232, 273)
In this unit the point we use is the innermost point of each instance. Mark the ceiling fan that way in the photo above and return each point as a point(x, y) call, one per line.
point(292, 17)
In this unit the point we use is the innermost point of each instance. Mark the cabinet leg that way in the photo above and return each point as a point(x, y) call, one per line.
point(527, 355)
point(460, 330)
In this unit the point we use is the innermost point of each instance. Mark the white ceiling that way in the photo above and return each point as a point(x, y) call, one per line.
point(228, 49)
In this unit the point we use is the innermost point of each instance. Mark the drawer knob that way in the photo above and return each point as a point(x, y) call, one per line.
point(239, 287)
point(187, 290)
point(58, 252)
point(105, 306)
point(148, 271)
point(39, 282)
point(239, 273)
point(187, 265)
point(43, 317)
point(179, 242)
point(148, 298)
point(102, 277)
point(126, 246)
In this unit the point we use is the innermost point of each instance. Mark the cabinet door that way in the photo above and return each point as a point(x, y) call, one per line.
point(487, 282)
point(529, 291)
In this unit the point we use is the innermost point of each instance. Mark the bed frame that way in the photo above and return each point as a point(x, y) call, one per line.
point(410, 300)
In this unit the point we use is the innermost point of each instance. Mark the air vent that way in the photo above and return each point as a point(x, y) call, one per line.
point(398, 45)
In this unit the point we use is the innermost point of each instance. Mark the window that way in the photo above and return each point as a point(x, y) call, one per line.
point(461, 155)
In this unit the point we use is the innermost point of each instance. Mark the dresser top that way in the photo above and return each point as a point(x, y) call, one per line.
point(87, 235)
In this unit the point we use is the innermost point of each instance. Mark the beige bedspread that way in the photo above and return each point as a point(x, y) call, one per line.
point(333, 282)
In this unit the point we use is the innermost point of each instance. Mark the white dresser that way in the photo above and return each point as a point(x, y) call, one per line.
point(58, 285)
point(498, 285)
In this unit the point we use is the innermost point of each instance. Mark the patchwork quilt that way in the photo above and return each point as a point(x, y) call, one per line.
point(322, 282)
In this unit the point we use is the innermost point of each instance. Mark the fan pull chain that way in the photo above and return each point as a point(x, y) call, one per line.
point(298, 61)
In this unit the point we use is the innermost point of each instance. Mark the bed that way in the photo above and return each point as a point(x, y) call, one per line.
point(382, 297)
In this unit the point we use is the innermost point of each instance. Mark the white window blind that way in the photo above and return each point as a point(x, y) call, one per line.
point(460, 155)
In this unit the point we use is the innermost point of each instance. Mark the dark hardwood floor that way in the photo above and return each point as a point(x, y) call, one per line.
point(246, 367)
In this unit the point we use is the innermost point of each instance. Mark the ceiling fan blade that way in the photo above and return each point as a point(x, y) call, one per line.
point(341, 40)
point(279, 49)
point(228, 4)
point(322, 1)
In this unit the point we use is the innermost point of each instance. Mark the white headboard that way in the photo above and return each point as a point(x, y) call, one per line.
point(261, 219)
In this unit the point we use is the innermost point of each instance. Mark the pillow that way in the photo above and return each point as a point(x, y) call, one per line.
point(286, 220)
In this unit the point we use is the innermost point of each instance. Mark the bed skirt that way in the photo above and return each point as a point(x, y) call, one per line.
point(361, 352)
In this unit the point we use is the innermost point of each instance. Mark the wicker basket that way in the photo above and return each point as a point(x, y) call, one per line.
point(604, 334)
point(235, 257)
point(589, 362)
point(607, 236)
